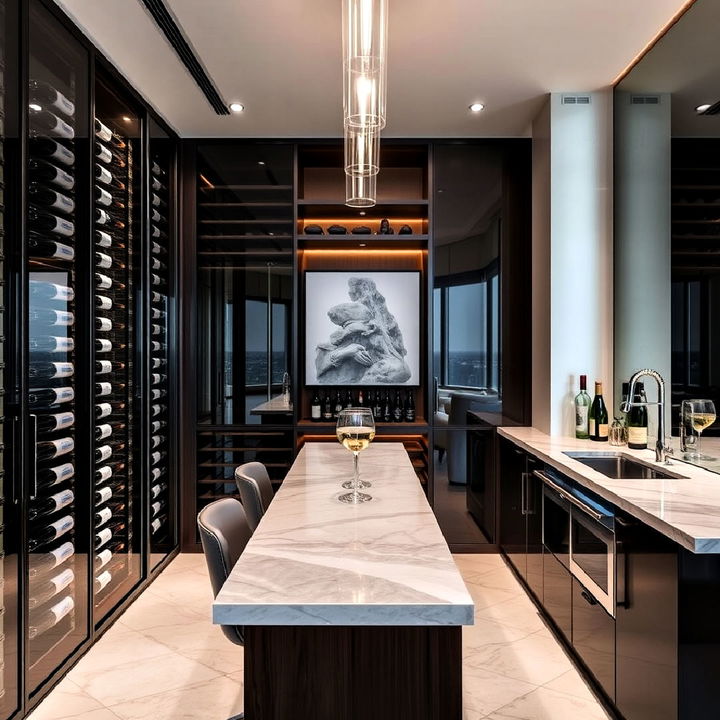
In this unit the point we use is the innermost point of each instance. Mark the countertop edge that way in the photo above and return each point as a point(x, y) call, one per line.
point(707, 545)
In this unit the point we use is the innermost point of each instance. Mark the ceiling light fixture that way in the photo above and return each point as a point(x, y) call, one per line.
point(364, 96)
point(703, 108)
point(127, 119)
point(261, 162)
point(476, 107)
point(237, 107)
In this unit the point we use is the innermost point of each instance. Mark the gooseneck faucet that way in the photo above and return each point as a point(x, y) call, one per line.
point(661, 450)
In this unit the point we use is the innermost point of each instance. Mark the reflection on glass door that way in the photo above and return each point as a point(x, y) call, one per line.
point(57, 563)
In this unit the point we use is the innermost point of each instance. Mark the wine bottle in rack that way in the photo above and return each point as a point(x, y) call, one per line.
point(50, 199)
point(157, 489)
point(46, 172)
point(48, 97)
point(50, 505)
point(49, 249)
point(102, 581)
point(52, 318)
point(102, 516)
point(51, 370)
point(48, 477)
point(50, 291)
point(41, 563)
point(103, 367)
point(50, 618)
point(44, 122)
point(47, 590)
point(47, 534)
point(50, 449)
point(51, 343)
point(157, 523)
point(51, 150)
point(102, 410)
point(103, 239)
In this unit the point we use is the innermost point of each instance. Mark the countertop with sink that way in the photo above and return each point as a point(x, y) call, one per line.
point(684, 508)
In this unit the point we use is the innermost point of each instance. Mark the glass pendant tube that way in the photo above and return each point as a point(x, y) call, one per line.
point(362, 152)
point(365, 63)
point(360, 191)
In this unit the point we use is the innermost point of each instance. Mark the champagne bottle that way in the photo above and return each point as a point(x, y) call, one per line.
point(42, 563)
point(582, 410)
point(51, 532)
point(48, 477)
point(51, 343)
point(55, 422)
point(50, 291)
point(50, 449)
point(47, 96)
point(51, 150)
point(637, 420)
point(43, 222)
point(43, 171)
point(50, 505)
point(410, 407)
point(48, 619)
point(50, 588)
point(44, 122)
point(315, 408)
point(44, 397)
point(598, 416)
point(50, 370)
point(50, 199)
point(50, 249)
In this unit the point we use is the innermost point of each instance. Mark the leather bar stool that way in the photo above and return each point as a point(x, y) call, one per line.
point(224, 533)
point(255, 488)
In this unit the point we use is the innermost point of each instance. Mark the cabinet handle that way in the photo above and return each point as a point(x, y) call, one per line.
point(588, 597)
point(565, 495)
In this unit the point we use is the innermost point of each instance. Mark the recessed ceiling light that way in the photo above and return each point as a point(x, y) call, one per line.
point(237, 107)
point(35, 106)
point(476, 107)
point(127, 119)
point(362, 212)
point(363, 244)
point(261, 162)
point(703, 108)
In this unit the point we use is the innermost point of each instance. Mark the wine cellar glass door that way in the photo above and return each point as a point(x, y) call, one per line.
point(57, 613)
point(117, 531)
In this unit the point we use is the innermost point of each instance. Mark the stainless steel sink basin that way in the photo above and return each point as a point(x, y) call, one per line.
point(618, 466)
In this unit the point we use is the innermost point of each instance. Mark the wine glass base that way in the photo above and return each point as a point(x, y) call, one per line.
point(354, 498)
point(349, 484)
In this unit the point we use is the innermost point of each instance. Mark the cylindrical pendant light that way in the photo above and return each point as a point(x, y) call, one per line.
point(360, 191)
point(362, 152)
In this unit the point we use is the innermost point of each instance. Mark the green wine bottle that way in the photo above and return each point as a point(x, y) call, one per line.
point(598, 416)
point(637, 420)
point(582, 409)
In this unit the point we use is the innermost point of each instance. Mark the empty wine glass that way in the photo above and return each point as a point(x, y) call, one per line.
point(355, 431)
point(701, 415)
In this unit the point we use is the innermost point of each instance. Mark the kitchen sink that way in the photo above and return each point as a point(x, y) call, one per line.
point(620, 466)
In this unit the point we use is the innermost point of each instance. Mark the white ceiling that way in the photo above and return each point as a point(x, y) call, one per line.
point(281, 58)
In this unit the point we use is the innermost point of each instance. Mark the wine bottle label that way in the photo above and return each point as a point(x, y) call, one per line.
point(63, 525)
point(103, 453)
point(315, 412)
point(104, 473)
point(102, 153)
point(61, 226)
point(103, 431)
point(103, 516)
point(62, 179)
point(155, 458)
point(103, 346)
point(64, 471)
point(62, 202)
point(62, 251)
point(156, 394)
point(103, 281)
point(156, 426)
point(103, 495)
point(156, 473)
point(62, 499)
point(62, 580)
point(61, 153)
point(61, 553)
point(103, 175)
point(51, 291)
point(103, 410)
point(155, 248)
point(155, 490)
point(63, 369)
point(156, 440)
point(58, 125)
point(63, 420)
point(64, 344)
point(65, 394)
point(103, 239)
point(104, 323)
point(637, 435)
point(104, 388)
point(103, 196)
point(156, 524)
point(101, 217)
point(602, 429)
point(63, 446)
point(156, 508)
point(103, 537)
point(156, 200)
point(64, 607)
point(105, 366)
point(102, 131)
point(103, 260)
point(103, 558)
point(102, 580)
point(103, 302)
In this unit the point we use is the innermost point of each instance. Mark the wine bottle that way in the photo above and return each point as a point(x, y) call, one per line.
point(327, 414)
point(50, 618)
point(103, 282)
point(361, 399)
point(157, 201)
point(157, 346)
point(47, 477)
point(102, 516)
point(102, 260)
point(156, 507)
point(102, 302)
point(44, 122)
point(157, 249)
point(44, 397)
point(103, 367)
point(103, 537)
point(49, 97)
point(43, 222)
point(103, 431)
point(103, 495)
point(50, 370)
point(50, 249)
point(50, 291)
point(156, 490)
point(378, 407)
point(155, 216)
point(51, 532)
point(598, 416)
point(156, 297)
point(158, 425)
point(42, 563)
point(398, 412)
point(157, 185)
point(55, 422)
point(103, 323)
point(157, 523)
point(316, 408)
point(157, 473)
point(103, 474)
point(50, 588)
point(157, 457)
point(103, 346)
point(582, 410)
point(156, 279)
point(51, 149)
point(158, 362)
point(102, 410)
point(348, 399)
point(103, 388)
point(156, 329)
point(387, 409)
point(102, 197)
point(102, 131)
point(43, 171)
point(50, 505)
point(157, 170)
point(157, 314)
point(103, 452)
point(51, 343)
point(53, 318)
point(103, 153)
point(102, 581)
point(103, 239)
point(157, 409)
point(158, 378)
point(50, 199)
point(50, 449)
point(637, 420)
point(410, 407)
point(156, 441)
point(101, 217)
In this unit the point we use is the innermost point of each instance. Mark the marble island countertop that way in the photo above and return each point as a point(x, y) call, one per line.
point(276, 405)
point(685, 509)
point(315, 561)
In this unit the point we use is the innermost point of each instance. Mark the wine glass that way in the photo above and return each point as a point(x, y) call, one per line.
point(701, 414)
point(355, 431)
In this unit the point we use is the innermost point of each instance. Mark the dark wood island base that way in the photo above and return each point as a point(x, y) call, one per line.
point(353, 673)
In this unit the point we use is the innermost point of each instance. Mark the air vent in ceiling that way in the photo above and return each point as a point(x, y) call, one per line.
point(712, 110)
point(575, 99)
point(645, 100)
point(174, 35)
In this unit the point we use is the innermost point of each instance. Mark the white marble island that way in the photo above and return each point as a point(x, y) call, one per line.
point(349, 591)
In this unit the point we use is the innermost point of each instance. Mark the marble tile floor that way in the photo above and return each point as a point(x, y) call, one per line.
point(164, 660)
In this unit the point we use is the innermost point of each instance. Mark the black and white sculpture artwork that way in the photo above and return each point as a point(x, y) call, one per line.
point(362, 328)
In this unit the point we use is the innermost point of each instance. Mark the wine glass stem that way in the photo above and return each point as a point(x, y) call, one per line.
point(697, 447)
point(356, 478)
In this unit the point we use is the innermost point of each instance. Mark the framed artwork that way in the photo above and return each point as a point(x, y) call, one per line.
point(362, 328)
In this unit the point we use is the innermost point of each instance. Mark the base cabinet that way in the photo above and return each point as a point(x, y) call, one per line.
point(557, 593)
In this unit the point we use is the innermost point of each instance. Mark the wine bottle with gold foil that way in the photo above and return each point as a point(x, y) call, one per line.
point(598, 416)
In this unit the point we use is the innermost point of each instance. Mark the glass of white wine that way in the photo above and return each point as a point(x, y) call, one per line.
point(355, 431)
point(701, 414)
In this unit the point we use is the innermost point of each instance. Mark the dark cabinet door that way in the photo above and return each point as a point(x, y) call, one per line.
point(513, 537)
point(533, 514)
point(480, 489)
point(593, 636)
point(557, 593)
